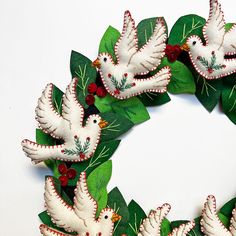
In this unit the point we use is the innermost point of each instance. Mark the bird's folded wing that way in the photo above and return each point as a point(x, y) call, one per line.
point(214, 29)
point(151, 226)
point(230, 41)
point(233, 223)
point(210, 222)
point(85, 206)
point(148, 58)
point(47, 231)
point(61, 213)
point(183, 229)
point(72, 111)
point(50, 121)
point(127, 44)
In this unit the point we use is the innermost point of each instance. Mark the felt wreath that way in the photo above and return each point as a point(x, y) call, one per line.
point(78, 129)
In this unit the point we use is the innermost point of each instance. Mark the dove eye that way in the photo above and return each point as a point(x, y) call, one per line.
point(194, 42)
point(106, 217)
point(104, 59)
point(94, 121)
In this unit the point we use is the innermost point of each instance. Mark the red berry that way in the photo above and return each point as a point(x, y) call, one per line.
point(71, 173)
point(88, 138)
point(82, 156)
point(213, 52)
point(101, 92)
point(133, 84)
point(75, 136)
point(64, 180)
point(90, 99)
point(92, 88)
point(172, 52)
point(117, 91)
point(125, 74)
point(62, 168)
point(210, 70)
point(198, 58)
point(62, 151)
point(109, 75)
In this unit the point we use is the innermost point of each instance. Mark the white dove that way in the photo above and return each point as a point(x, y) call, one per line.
point(80, 141)
point(119, 79)
point(209, 59)
point(210, 222)
point(79, 218)
point(47, 231)
point(151, 226)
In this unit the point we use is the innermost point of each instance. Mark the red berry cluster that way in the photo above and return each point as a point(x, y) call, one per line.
point(172, 52)
point(66, 174)
point(94, 89)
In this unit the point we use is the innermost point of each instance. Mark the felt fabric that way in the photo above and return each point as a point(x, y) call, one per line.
point(80, 217)
point(47, 231)
point(211, 223)
point(80, 142)
point(209, 60)
point(119, 78)
point(183, 230)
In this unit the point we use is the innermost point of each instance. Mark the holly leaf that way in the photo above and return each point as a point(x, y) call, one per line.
point(184, 27)
point(97, 184)
point(117, 125)
point(57, 99)
point(225, 220)
point(108, 41)
point(81, 68)
point(165, 227)
point(118, 204)
point(102, 154)
point(182, 80)
point(154, 99)
point(228, 26)
point(228, 208)
point(131, 108)
point(229, 100)
point(136, 216)
point(145, 29)
point(208, 92)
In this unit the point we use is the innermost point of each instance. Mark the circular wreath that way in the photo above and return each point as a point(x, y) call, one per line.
point(79, 188)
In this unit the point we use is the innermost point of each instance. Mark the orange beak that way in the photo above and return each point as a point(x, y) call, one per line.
point(115, 217)
point(102, 124)
point(96, 63)
point(185, 47)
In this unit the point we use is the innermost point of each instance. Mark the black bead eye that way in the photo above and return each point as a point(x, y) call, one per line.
point(106, 217)
point(104, 59)
point(94, 121)
point(194, 42)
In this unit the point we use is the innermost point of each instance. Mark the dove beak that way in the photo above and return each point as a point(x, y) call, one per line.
point(185, 47)
point(96, 63)
point(102, 124)
point(115, 217)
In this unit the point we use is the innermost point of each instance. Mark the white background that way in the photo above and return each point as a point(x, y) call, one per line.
point(179, 156)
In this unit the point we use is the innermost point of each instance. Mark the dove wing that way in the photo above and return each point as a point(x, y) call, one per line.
point(148, 58)
point(61, 213)
point(214, 29)
point(127, 44)
point(152, 224)
point(85, 206)
point(210, 222)
point(47, 231)
point(72, 111)
point(50, 121)
point(230, 41)
point(183, 229)
point(232, 227)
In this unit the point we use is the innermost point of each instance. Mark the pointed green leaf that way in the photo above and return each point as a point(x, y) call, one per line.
point(225, 220)
point(97, 184)
point(228, 26)
point(81, 68)
point(136, 216)
point(228, 208)
point(103, 153)
point(108, 41)
point(184, 27)
point(57, 99)
point(165, 227)
point(154, 99)
point(118, 204)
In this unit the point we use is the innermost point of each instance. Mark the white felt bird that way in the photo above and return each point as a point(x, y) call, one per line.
point(119, 79)
point(80, 141)
point(209, 59)
point(151, 226)
point(211, 224)
point(80, 217)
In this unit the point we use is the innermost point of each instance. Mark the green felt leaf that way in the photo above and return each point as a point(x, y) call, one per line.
point(228, 208)
point(117, 125)
point(229, 101)
point(81, 68)
point(182, 80)
point(131, 108)
point(103, 153)
point(177, 223)
point(97, 184)
point(184, 27)
point(136, 216)
point(108, 41)
point(154, 99)
point(165, 227)
point(118, 204)
point(225, 220)
point(57, 99)
point(145, 29)
point(208, 92)
point(228, 26)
